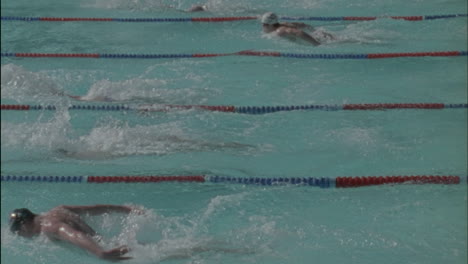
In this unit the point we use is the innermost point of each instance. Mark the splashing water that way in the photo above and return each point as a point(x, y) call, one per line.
point(18, 83)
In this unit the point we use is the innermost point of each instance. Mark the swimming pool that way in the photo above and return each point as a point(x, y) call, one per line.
point(266, 224)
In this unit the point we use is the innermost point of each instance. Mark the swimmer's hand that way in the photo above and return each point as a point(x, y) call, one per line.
point(115, 254)
point(136, 210)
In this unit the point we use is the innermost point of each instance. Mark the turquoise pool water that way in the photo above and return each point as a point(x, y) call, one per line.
point(280, 224)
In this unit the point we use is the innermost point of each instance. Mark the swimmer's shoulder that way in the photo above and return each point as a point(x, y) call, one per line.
point(281, 31)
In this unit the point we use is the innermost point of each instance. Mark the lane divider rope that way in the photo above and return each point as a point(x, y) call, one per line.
point(339, 182)
point(237, 109)
point(240, 53)
point(226, 19)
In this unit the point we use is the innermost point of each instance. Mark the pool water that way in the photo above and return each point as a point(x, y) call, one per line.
point(235, 223)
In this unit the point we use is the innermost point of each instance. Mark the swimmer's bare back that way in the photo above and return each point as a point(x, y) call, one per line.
point(296, 34)
point(64, 215)
point(64, 223)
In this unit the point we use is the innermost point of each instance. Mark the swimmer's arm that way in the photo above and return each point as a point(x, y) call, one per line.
point(76, 97)
point(99, 209)
point(309, 38)
point(67, 233)
point(297, 25)
point(197, 8)
point(94, 98)
point(290, 32)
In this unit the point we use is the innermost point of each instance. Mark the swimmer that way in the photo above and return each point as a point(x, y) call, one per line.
point(174, 144)
point(216, 8)
point(197, 8)
point(86, 155)
point(108, 99)
point(89, 99)
point(63, 223)
point(293, 31)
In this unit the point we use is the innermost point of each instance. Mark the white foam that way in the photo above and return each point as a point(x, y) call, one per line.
point(18, 82)
point(132, 5)
point(219, 203)
point(139, 90)
point(367, 32)
point(116, 138)
point(22, 85)
point(107, 139)
point(48, 134)
point(217, 6)
point(154, 237)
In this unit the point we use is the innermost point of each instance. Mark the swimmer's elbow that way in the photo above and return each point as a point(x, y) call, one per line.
point(309, 39)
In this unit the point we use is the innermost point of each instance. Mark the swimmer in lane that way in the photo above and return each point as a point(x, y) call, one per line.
point(96, 98)
point(197, 8)
point(85, 155)
point(178, 144)
point(293, 31)
point(64, 223)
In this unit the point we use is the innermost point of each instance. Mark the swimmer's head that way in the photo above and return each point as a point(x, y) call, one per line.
point(269, 18)
point(19, 217)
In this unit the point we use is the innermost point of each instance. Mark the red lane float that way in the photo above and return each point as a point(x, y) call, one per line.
point(340, 182)
point(231, 109)
point(243, 53)
point(15, 107)
point(222, 19)
point(344, 182)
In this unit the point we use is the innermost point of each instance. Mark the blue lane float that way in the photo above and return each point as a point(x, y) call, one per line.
point(253, 110)
point(226, 19)
point(240, 53)
point(321, 182)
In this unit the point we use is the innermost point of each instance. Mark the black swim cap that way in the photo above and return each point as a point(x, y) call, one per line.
point(18, 217)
